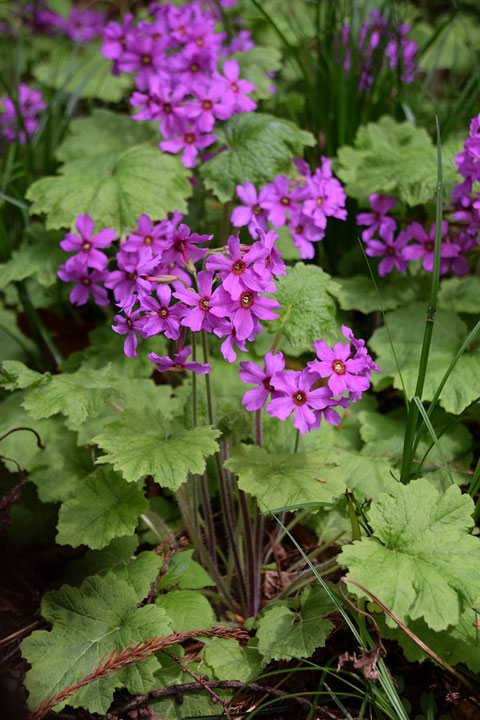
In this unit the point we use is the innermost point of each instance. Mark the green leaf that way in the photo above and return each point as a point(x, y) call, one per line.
point(307, 310)
point(185, 572)
point(87, 623)
point(77, 395)
point(82, 71)
point(358, 292)
point(423, 561)
point(141, 572)
point(142, 444)
point(187, 610)
point(406, 329)
point(228, 660)
point(398, 159)
point(113, 171)
point(104, 507)
point(253, 66)
point(282, 480)
point(38, 258)
point(193, 704)
point(14, 345)
point(115, 556)
point(259, 147)
point(460, 294)
point(15, 375)
point(283, 635)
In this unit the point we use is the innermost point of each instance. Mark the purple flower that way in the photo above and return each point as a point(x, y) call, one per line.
point(115, 40)
point(252, 208)
point(296, 395)
point(130, 281)
point(252, 373)
point(245, 311)
point(86, 245)
point(178, 364)
point(378, 221)
point(426, 246)
point(304, 233)
point(200, 316)
point(130, 324)
point(182, 245)
point(83, 25)
point(341, 370)
point(236, 275)
point(143, 56)
point(236, 89)
point(191, 141)
point(30, 103)
point(242, 42)
point(279, 199)
point(227, 347)
point(86, 283)
point(160, 315)
point(391, 250)
point(161, 102)
point(331, 416)
point(206, 108)
point(326, 197)
point(148, 235)
point(267, 261)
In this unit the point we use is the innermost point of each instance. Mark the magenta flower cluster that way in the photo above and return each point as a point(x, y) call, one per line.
point(312, 393)
point(175, 56)
point(379, 41)
point(459, 234)
point(82, 25)
point(303, 204)
point(30, 103)
point(227, 297)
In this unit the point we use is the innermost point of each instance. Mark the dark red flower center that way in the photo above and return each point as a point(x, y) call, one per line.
point(257, 210)
point(148, 240)
point(132, 276)
point(86, 246)
point(177, 367)
point(86, 281)
point(181, 30)
point(167, 108)
point(207, 104)
point(319, 201)
point(267, 261)
point(285, 201)
point(189, 138)
point(338, 367)
point(266, 384)
point(234, 87)
point(390, 251)
point(163, 312)
point(238, 267)
point(129, 324)
point(200, 42)
point(146, 60)
point(156, 36)
point(204, 303)
point(246, 300)
point(429, 245)
point(299, 398)
point(299, 229)
point(194, 67)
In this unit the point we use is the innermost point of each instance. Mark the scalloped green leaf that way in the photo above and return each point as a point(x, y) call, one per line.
point(421, 561)
point(105, 506)
point(112, 170)
point(38, 257)
point(187, 610)
point(258, 147)
point(142, 443)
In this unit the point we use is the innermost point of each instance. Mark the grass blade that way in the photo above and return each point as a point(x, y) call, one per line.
point(433, 435)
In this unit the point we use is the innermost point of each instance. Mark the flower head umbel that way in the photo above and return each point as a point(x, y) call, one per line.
point(178, 363)
point(252, 373)
point(342, 371)
point(236, 274)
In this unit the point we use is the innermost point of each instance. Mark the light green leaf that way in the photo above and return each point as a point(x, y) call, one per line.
point(358, 292)
point(14, 345)
point(185, 572)
point(194, 705)
point(282, 480)
point(104, 507)
point(141, 572)
point(15, 375)
point(283, 635)
point(460, 294)
point(87, 623)
point(398, 159)
point(253, 66)
point(82, 71)
point(307, 310)
point(113, 171)
point(77, 395)
point(142, 444)
point(230, 661)
point(38, 257)
point(406, 328)
point(187, 610)
point(422, 561)
point(259, 147)
point(115, 556)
